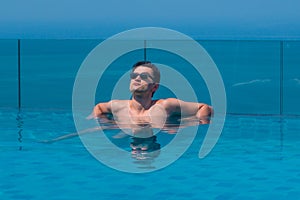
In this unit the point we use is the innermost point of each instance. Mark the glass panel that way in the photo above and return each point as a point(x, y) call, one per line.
point(114, 82)
point(9, 73)
point(291, 77)
point(251, 74)
point(179, 78)
point(49, 69)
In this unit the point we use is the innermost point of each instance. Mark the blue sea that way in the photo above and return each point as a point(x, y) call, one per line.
point(255, 157)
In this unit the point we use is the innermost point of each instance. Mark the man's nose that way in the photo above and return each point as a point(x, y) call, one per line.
point(138, 78)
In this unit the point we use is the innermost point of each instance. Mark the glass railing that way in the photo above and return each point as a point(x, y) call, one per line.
point(260, 76)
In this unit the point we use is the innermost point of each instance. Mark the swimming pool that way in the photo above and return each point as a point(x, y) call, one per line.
point(255, 158)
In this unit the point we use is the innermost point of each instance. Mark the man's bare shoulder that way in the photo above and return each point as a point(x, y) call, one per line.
point(170, 105)
point(119, 103)
point(167, 102)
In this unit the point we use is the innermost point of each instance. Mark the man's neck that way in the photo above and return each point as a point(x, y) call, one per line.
point(140, 103)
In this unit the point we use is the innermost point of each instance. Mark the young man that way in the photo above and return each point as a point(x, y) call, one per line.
point(145, 78)
point(141, 113)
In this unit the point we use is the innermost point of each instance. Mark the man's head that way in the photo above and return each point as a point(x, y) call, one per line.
point(145, 76)
point(155, 70)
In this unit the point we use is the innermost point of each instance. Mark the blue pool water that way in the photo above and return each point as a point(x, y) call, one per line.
point(256, 157)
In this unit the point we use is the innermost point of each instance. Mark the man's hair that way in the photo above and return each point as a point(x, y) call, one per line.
point(155, 70)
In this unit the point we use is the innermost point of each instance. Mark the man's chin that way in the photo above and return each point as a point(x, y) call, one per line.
point(138, 90)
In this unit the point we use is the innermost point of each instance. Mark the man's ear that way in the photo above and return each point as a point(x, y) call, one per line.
point(156, 86)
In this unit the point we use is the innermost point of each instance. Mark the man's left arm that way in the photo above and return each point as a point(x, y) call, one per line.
point(204, 113)
point(201, 110)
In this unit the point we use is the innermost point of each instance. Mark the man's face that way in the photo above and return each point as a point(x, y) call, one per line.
point(142, 80)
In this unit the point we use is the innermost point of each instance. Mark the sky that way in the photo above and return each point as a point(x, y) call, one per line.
point(216, 19)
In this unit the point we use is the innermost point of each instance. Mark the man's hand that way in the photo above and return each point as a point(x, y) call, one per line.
point(204, 113)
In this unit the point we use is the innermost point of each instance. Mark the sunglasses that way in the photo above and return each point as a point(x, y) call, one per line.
point(144, 75)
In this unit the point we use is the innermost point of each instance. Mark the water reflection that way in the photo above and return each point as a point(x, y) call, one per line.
point(143, 141)
point(144, 137)
point(20, 123)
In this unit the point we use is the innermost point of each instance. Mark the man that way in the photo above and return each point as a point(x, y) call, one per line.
point(145, 78)
point(140, 114)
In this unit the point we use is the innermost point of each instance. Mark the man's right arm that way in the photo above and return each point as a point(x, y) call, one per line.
point(101, 108)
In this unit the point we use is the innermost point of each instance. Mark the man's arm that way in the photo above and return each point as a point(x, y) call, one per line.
point(204, 113)
point(200, 110)
point(100, 109)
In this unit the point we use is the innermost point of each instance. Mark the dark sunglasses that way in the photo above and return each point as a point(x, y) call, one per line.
point(144, 75)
